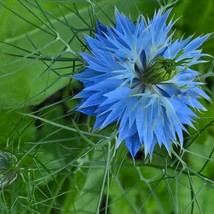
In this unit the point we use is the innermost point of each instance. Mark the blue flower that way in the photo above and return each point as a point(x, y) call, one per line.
point(140, 78)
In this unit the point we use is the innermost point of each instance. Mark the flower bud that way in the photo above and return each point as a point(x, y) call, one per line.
point(8, 171)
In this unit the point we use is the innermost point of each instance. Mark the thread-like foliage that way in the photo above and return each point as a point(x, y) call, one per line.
point(51, 158)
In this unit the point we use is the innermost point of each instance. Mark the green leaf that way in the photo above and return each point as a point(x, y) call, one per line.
point(35, 75)
point(14, 127)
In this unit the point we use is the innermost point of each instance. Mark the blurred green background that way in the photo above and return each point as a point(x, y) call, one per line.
point(60, 164)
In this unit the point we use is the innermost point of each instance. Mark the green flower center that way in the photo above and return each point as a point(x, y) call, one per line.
point(161, 70)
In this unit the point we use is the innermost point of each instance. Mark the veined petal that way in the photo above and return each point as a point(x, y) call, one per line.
point(133, 144)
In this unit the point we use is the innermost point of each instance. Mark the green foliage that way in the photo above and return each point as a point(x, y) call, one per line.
point(63, 166)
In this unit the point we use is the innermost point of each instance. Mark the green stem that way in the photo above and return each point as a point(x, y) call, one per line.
point(59, 187)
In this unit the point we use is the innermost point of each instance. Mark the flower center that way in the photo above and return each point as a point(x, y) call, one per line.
point(161, 70)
